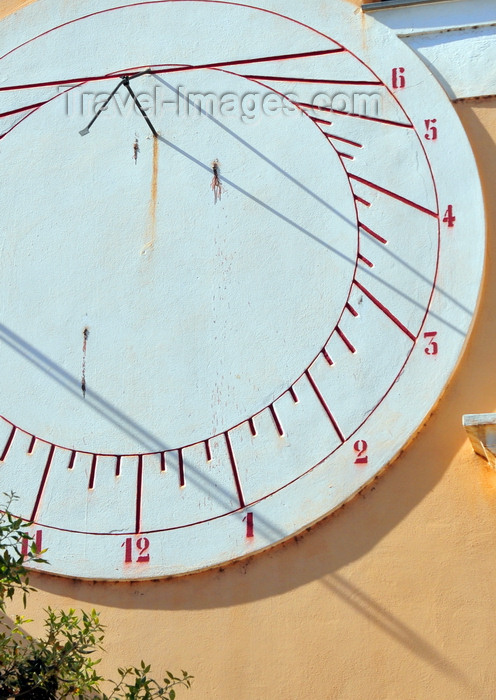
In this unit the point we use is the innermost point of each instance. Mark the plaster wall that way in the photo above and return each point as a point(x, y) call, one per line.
point(391, 598)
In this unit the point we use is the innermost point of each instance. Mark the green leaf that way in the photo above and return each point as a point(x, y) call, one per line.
point(59, 665)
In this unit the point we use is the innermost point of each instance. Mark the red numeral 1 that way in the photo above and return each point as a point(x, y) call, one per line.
point(432, 348)
point(26, 545)
point(249, 525)
point(360, 448)
point(142, 545)
point(128, 544)
point(449, 218)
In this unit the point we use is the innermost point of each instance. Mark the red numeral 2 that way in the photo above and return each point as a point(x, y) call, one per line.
point(449, 218)
point(26, 544)
point(141, 546)
point(432, 347)
point(360, 448)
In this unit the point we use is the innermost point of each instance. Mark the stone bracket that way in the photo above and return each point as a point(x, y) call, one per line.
point(481, 429)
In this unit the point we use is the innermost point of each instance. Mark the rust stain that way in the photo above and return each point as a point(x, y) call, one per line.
point(86, 332)
point(152, 207)
point(364, 20)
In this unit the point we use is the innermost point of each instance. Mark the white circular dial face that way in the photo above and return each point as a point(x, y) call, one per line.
point(236, 275)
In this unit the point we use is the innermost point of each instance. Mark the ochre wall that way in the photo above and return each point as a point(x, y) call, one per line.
point(391, 598)
point(9, 6)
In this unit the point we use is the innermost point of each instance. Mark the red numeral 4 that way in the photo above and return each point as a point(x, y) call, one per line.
point(449, 217)
point(136, 550)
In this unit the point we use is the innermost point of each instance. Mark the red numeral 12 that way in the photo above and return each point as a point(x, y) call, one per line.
point(360, 448)
point(449, 218)
point(141, 544)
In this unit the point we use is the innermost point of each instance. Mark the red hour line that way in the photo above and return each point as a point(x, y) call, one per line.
point(175, 69)
point(139, 490)
point(385, 310)
point(22, 109)
point(43, 482)
point(365, 260)
point(319, 120)
point(345, 155)
point(208, 451)
point(294, 395)
point(56, 83)
point(345, 340)
point(91, 482)
point(180, 460)
point(362, 201)
point(330, 110)
point(118, 465)
point(71, 460)
point(373, 119)
point(276, 420)
point(244, 61)
point(279, 78)
point(8, 444)
point(234, 470)
point(394, 196)
point(327, 357)
point(352, 310)
point(340, 138)
point(253, 429)
point(31, 445)
point(324, 405)
point(372, 233)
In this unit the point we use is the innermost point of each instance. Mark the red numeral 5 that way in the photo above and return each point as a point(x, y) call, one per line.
point(432, 348)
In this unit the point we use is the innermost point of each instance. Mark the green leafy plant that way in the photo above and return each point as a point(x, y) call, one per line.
point(62, 662)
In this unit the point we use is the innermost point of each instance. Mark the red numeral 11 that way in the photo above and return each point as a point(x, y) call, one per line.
point(26, 544)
